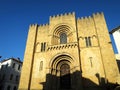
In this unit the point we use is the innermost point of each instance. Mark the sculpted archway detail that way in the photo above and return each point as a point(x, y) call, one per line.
point(61, 69)
point(62, 31)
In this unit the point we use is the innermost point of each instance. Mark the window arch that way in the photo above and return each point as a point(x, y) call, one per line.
point(63, 38)
point(62, 34)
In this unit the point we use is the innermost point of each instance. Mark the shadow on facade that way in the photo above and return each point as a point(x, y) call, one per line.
point(73, 82)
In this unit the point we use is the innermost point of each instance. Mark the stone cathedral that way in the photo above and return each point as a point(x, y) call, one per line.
point(69, 53)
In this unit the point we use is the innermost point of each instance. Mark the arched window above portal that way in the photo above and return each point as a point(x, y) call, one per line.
point(63, 38)
point(62, 34)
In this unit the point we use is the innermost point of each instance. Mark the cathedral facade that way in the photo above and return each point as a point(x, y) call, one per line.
point(69, 54)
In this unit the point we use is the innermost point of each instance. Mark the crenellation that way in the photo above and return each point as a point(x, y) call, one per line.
point(65, 14)
point(89, 20)
point(82, 18)
point(58, 15)
point(78, 19)
point(85, 17)
point(47, 24)
point(50, 17)
point(33, 26)
point(43, 25)
point(98, 14)
point(89, 17)
point(73, 13)
point(62, 15)
point(69, 13)
point(85, 20)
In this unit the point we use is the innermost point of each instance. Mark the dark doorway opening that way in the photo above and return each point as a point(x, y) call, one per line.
point(65, 79)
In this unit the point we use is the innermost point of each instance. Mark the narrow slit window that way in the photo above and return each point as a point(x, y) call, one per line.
point(86, 40)
point(41, 47)
point(44, 46)
point(41, 65)
point(89, 41)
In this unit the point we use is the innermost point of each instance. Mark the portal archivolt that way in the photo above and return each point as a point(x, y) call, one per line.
point(61, 68)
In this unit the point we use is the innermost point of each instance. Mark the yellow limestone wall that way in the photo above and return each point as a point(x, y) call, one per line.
point(93, 61)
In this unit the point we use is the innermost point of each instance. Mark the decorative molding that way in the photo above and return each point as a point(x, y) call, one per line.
point(62, 46)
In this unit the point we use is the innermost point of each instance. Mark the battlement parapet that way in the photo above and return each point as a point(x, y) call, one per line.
point(86, 18)
point(62, 15)
point(98, 14)
point(33, 25)
point(90, 17)
point(43, 25)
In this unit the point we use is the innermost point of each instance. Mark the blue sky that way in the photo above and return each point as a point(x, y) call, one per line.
point(17, 15)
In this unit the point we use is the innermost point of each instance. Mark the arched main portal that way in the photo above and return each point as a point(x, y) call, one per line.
point(61, 70)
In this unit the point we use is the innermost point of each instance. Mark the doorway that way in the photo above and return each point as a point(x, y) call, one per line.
point(65, 79)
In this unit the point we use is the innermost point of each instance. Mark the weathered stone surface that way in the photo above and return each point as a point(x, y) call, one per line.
point(87, 52)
